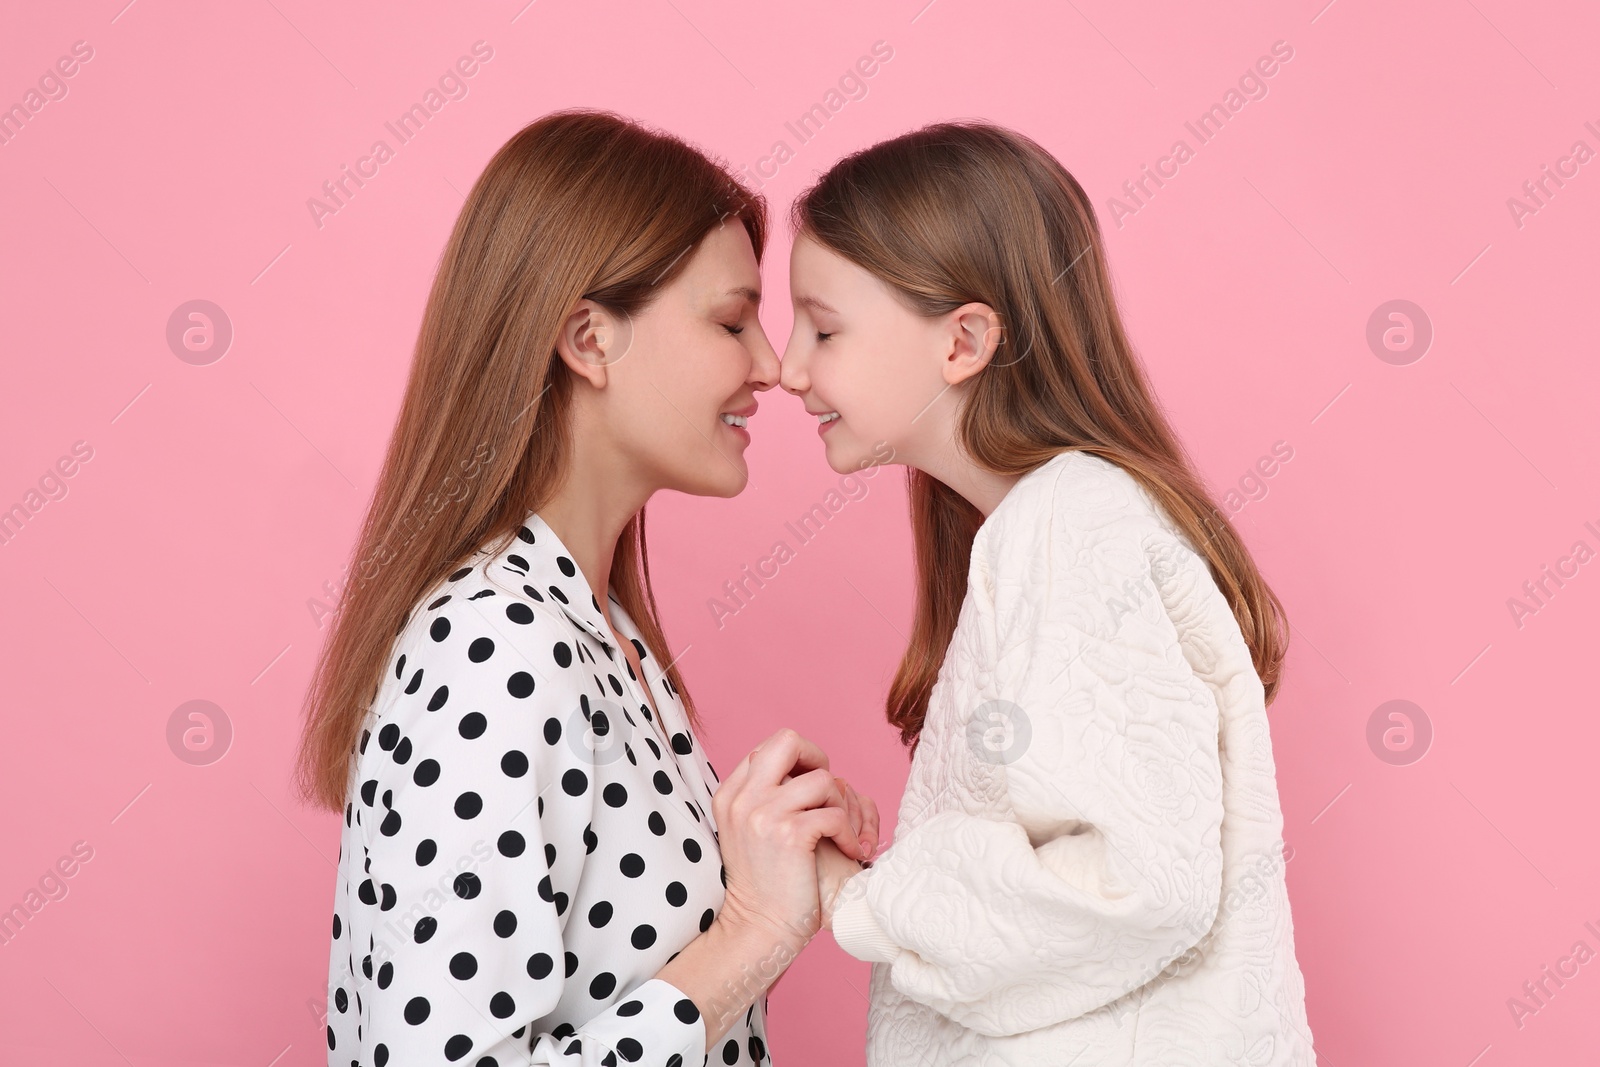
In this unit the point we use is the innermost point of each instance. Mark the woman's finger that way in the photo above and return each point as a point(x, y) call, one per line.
point(812, 789)
point(785, 752)
point(832, 823)
point(735, 778)
point(732, 785)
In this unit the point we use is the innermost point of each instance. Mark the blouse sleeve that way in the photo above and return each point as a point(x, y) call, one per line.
point(1108, 865)
point(475, 821)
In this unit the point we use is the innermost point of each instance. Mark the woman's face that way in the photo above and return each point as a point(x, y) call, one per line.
point(686, 369)
point(862, 361)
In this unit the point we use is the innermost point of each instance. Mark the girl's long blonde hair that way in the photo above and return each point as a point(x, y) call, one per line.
point(969, 211)
point(579, 204)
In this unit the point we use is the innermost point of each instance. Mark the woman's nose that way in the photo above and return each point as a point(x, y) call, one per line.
point(764, 368)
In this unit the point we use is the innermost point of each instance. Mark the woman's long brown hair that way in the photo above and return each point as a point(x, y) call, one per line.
point(578, 204)
point(969, 211)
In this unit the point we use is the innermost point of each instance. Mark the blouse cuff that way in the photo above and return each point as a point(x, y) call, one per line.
point(855, 928)
point(656, 1020)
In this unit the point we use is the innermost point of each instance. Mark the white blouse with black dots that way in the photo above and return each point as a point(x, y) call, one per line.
point(525, 844)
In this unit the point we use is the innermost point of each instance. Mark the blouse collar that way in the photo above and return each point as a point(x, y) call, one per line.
point(538, 565)
point(545, 570)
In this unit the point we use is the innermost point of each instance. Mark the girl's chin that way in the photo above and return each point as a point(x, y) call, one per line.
point(840, 463)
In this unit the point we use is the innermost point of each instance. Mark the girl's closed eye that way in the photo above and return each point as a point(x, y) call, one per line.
point(735, 329)
point(823, 336)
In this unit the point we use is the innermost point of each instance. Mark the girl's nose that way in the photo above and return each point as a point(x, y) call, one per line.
point(792, 374)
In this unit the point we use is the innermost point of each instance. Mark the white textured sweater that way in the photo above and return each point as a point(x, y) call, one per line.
point(1088, 864)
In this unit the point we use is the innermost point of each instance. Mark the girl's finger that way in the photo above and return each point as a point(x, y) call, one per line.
point(869, 824)
point(852, 804)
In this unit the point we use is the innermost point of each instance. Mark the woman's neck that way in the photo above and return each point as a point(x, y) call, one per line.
point(594, 501)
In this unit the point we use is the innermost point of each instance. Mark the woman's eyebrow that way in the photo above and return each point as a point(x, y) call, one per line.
point(752, 295)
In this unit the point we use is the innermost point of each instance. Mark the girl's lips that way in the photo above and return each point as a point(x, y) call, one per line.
point(824, 427)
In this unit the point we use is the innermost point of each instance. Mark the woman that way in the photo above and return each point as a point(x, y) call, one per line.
point(537, 862)
point(1087, 866)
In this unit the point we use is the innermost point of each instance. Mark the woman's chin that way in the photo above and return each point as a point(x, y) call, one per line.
point(728, 480)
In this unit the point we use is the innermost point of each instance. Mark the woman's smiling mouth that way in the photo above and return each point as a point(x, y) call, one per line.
point(737, 421)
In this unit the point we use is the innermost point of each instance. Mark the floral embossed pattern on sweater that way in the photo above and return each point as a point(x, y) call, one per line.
point(1088, 861)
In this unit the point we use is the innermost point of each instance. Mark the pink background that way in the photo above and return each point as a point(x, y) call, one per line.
point(220, 498)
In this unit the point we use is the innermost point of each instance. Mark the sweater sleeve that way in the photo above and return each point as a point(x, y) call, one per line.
point(1105, 863)
point(475, 824)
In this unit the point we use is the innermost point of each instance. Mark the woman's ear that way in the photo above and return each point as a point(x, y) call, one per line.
point(975, 334)
point(593, 338)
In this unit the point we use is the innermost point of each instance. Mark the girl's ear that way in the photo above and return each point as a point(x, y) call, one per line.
point(975, 334)
point(592, 339)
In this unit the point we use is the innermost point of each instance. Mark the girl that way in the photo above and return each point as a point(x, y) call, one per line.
point(537, 864)
point(1087, 867)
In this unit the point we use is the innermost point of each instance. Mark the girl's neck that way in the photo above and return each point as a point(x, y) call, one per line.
point(979, 486)
point(983, 489)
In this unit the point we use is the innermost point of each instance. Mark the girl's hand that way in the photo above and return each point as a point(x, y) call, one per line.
point(834, 868)
point(771, 812)
point(863, 820)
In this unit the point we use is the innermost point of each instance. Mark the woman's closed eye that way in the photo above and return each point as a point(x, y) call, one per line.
point(735, 329)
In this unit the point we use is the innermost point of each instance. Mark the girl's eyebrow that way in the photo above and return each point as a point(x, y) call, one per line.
point(813, 303)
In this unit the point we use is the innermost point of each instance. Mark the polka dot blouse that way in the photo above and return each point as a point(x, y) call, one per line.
point(526, 842)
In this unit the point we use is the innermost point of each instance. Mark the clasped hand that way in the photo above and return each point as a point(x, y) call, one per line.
point(791, 833)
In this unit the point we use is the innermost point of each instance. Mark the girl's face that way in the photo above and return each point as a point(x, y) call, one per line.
point(864, 363)
point(681, 374)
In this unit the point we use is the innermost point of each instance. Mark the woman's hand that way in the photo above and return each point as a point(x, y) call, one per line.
point(834, 868)
point(771, 811)
point(864, 822)
point(774, 812)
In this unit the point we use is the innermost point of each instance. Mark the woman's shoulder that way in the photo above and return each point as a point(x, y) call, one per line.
point(481, 686)
point(489, 582)
point(476, 648)
point(524, 594)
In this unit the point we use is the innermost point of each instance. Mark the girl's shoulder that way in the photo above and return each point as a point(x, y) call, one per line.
point(1075, 496)
point(1081, 539)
